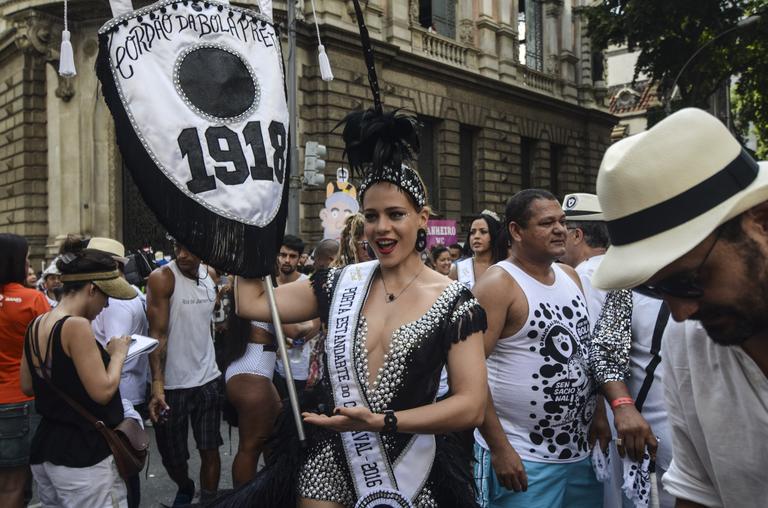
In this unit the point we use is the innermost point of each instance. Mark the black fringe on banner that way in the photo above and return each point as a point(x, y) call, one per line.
point(223, 243)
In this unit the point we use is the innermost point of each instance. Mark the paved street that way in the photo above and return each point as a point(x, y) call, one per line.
point(158, 488)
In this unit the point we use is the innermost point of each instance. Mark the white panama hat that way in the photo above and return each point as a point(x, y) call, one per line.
point(581, 206)
point(665, 190)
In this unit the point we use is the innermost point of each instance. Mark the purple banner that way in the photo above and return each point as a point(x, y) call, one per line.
point(441, 232)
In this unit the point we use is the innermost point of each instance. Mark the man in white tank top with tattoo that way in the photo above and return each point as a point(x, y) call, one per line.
point(533, 449)
point(185, 379)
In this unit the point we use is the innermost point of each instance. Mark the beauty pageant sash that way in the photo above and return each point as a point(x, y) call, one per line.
point(466, 272)
point(377, 482)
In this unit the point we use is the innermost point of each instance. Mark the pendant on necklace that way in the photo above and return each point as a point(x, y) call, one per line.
point(390, 297)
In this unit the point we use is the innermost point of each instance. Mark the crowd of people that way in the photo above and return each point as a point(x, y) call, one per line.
point(544, 362)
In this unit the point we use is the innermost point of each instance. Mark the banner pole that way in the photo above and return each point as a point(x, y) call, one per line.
point(277, 323)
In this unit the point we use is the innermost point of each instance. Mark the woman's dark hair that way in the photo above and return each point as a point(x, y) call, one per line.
point(498, 251)
point(75, 258)
point(74, 243)
point(438, 251)
point(238, 336)
point(13, 258)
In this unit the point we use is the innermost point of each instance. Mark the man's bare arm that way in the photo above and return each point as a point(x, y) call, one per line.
point(497, 298)
point(159, 290)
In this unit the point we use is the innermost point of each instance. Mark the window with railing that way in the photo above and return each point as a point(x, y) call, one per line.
point(438, 16)
point(529, 28)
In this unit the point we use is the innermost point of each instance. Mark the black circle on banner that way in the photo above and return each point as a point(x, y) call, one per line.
point(216, 82)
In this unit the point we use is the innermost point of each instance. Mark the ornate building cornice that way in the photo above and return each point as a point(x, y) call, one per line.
point(39, 34)
point(35, 34)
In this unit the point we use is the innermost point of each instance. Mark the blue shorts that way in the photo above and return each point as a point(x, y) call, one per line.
point(18, 423)
point(570, 485)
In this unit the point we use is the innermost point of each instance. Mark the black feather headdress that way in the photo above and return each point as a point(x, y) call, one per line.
point(379, 145)
point(375, 140)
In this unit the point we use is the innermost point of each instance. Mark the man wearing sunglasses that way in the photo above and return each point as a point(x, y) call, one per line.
point(687, 211)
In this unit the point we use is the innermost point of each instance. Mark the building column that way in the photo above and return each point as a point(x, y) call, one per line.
point(399, 15)
point(488, 61)
point(83, 167)
point(507, 40)
point(569, 61)
point(552, 35)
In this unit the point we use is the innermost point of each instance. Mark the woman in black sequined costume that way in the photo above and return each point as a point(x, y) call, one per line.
point(413, 322)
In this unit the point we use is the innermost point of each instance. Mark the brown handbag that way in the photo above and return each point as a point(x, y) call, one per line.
point(128, 441)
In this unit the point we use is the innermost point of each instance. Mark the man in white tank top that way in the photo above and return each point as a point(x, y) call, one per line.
point(185, 379)
point(533, 449)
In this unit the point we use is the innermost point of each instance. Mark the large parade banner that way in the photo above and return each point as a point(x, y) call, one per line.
point(197, 91)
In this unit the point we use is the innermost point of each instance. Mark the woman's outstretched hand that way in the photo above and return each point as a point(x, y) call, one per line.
point(346, 419)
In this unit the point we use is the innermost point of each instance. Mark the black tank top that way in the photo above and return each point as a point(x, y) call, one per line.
point(64, 437)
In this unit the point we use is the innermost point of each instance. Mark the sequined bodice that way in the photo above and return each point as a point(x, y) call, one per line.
point(408, 378)
point(405, 340)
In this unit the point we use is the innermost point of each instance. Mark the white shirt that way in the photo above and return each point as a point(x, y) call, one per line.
point(595, 297)
point(717, 398)
point(126, 317)
point(645, 313)
point(191, 360)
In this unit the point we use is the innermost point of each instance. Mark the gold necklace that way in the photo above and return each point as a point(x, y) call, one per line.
point(391, 296)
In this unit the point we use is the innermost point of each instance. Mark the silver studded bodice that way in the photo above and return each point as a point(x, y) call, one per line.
point(405, 340)
point(324, 475)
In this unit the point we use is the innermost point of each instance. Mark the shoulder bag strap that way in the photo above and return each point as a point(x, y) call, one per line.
point(28, 343)
point(46, 375)
point(658, 331)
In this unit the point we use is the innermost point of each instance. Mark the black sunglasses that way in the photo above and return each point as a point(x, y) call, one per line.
point(685, 285)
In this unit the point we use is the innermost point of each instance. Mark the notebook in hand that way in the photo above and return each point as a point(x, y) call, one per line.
point(140, 345)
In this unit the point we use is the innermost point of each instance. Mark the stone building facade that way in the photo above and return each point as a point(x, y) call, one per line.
point(508, 92)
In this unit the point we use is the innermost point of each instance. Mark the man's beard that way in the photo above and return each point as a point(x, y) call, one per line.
point(734, 324)
point(729, 327)
point(287, 269)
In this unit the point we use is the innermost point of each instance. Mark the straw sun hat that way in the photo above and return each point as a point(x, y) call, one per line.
point(111, 282)
point(665, 190)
